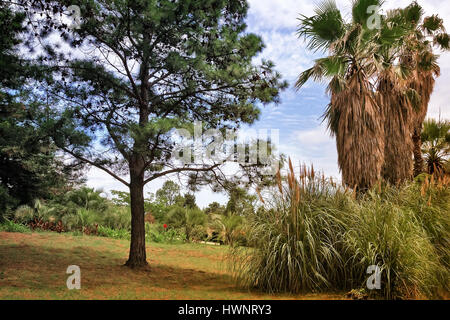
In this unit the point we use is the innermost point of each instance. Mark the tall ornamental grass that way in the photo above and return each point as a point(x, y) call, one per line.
point(312, 235)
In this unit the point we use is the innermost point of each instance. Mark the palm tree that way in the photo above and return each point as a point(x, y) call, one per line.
point(398, 115)
point(380, 85)
point(354, 114)
point(436, 145)
point(419, 54)
point(405, 83)
point(87, 198)
point(395, 97)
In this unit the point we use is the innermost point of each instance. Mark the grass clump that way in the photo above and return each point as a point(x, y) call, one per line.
point(11, 226)
point(314, 236)
point(379, 232)
point(113, 233)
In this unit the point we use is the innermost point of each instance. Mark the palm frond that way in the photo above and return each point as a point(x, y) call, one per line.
point(414, 98)
point(323, 68)
point(361, 10)
point(432, 24)
point(391, 34)
point(442, 40)
point(413, 13)
point(323, 28)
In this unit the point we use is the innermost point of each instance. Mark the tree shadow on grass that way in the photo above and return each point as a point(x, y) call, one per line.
point(103, 276)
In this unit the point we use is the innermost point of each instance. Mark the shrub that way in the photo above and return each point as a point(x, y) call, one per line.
point(40, 211)
point(198, 233)
point(296, 240)
point(11, 226)
point(381, 233)
point(86, 198)
point(24, 214)
point(312, 235)
point(429, 202)
point(230, 228)
point(113, 233)
point(156, 233)
point(70, 221)
point(46, 225)
point(187, 219)
point(116, 217)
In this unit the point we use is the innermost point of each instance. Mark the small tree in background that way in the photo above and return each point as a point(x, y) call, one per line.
point(240, 202)
point(214, 208)
point(186, 218)
point(168, 193)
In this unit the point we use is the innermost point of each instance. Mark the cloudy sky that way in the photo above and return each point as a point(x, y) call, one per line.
point(302, 135)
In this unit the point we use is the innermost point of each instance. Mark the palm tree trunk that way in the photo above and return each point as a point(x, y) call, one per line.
point(360, 134)
point(418, 160)
point(423, 83)
point(398, 117)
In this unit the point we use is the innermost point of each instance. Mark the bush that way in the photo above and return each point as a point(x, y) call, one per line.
point(157, 233)
point(11, 226)
point(230, 228)
point(429, 202)
point(314, 236)
point(188, 219)
point(198, 233)
point(71, 222)
point(24, 214)
point(113, 233)
point(116, 217)
point(39, 212)
point(95, 214)
point(381, 233)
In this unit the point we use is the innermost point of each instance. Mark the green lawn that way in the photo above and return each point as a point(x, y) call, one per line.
point(33, 266)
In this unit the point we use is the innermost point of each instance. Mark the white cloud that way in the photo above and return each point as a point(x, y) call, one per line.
point(317, 137)
point(278, 14)
point(314, 146)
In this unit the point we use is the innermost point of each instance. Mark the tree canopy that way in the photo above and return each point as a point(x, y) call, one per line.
point(131, 72)
point(30, 167)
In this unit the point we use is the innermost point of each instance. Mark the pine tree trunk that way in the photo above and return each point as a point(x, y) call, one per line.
point(418, 160)
point(137, 258)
